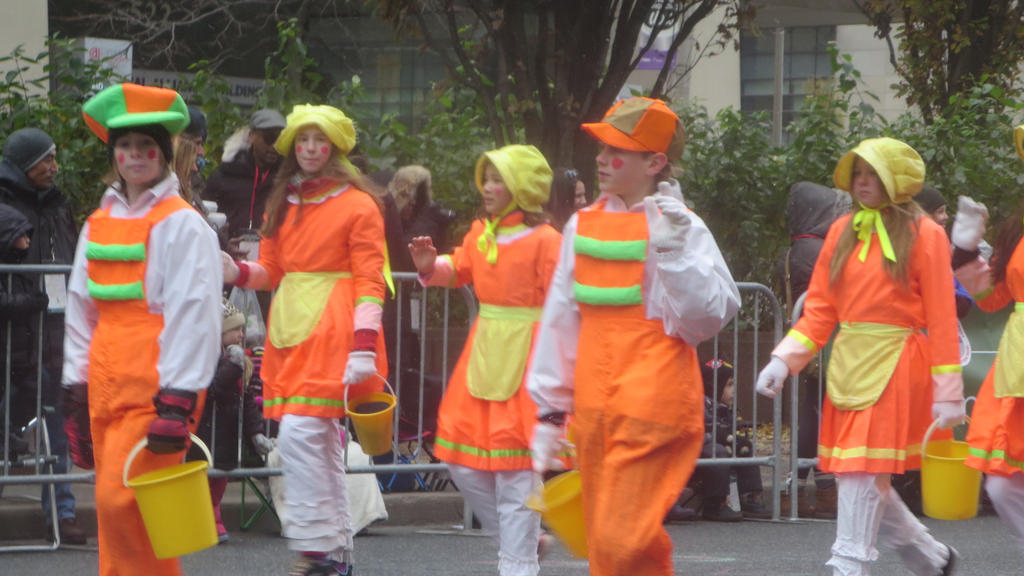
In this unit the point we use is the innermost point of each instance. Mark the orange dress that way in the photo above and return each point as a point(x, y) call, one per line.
point(472, 431)
point(996, 436)
point(340, 230)
point(885, 437)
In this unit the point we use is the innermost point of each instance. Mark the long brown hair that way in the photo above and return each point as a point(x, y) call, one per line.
point(341, 172)
point(901, 222)
point(185, 154)
point(1010, 233)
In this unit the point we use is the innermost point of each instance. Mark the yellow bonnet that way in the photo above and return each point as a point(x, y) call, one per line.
point(331, 121)
point(525, 171)
point(899, 167)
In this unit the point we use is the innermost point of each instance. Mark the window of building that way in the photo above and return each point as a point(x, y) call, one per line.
point(805, 59)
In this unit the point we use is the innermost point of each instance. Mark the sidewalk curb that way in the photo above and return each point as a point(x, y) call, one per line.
point(21, 517)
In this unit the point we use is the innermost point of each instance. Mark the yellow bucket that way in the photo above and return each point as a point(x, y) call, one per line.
point(949, 488)
point(175, 504)
point(561, 507)
point(372, 416)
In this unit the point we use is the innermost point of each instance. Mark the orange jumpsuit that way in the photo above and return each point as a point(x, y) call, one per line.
point(119, 340)
point(884, 437)
point(996, 436)
point(471, 431)
point(616, 348)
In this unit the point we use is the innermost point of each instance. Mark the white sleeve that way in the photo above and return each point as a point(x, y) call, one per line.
point(79, 318)
point(693, 290)
point(186, 279)
point(551, 381)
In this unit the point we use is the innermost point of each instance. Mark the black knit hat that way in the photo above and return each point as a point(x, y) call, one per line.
point(707, 373)
point(27, 147)
point(154, 131)
point(196, 123)
point(929, 199)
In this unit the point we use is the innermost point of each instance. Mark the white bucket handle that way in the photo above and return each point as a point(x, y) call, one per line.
point(928, 434)
point(376, 374)
point(142, 444)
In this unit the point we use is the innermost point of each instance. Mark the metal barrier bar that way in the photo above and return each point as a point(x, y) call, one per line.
point(761, 296)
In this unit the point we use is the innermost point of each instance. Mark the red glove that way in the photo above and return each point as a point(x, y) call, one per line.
point(168, 432)
point(75, 400)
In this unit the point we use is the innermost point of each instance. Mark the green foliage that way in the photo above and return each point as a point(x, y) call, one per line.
point(52, 102)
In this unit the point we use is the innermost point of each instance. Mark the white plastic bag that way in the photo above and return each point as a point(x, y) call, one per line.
point(255, 329)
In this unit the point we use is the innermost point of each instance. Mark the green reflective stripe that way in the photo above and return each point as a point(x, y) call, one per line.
point(635, 250)
point(474, 451)
point(510, 229)
point(994, 455)
point(132, 291)
point(947, 369)
point(1018, 306)
point(116, 252)
point(597, 296)
point(804, 340)
point(531, 313)
point(329, 402)
point(373, 299)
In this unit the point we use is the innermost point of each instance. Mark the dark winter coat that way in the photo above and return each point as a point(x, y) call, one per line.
point(224, 396)
point(810, 211)
point(20, 300)
point(53, 242)
point(231, 186)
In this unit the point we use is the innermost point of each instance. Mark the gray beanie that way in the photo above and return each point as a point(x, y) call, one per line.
point(27, 147)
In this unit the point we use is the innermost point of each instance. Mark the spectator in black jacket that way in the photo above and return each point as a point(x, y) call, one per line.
point(241, 184)
point(27, 174)
point(230, 403)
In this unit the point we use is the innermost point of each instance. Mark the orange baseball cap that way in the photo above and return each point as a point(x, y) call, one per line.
point(642, 125)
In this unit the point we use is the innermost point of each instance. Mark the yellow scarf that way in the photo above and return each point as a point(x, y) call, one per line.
point(863, 222)
point(487, 243)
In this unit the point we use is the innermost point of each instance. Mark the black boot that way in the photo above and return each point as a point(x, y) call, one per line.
point(752, 506)
point(719, 511)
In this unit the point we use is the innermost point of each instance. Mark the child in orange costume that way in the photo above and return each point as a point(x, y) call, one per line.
point(486, 416)
point(883, 276)
point(142, 320)
point(996, 436)
point(640, 282)
point(322, 247)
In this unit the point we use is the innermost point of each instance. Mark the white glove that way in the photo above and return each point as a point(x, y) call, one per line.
point(231, 270)
point(668, 218)
point(262, 444)
point(361, 365)
point(969, 225)
point(547, 440)
point(236, 355)
point(772, 377)
point(671, 188)
point(948, 414)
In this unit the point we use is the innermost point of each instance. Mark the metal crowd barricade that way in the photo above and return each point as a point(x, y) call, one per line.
point(434, 314)
point(40, 459)
point(758, 301)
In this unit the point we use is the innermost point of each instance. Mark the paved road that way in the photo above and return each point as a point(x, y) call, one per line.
point(702, 549)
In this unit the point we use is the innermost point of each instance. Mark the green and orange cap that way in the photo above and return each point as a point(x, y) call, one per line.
point(130, 105)
point(641, 125)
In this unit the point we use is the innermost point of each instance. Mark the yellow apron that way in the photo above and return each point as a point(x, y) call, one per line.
point(501, 348)
point(864, 356)
point(298, 304)
point(1009, 376)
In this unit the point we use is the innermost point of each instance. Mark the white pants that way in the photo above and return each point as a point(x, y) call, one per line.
point(312, 459)
point(1007, 494)
point(499, 501)
point(868, 509)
